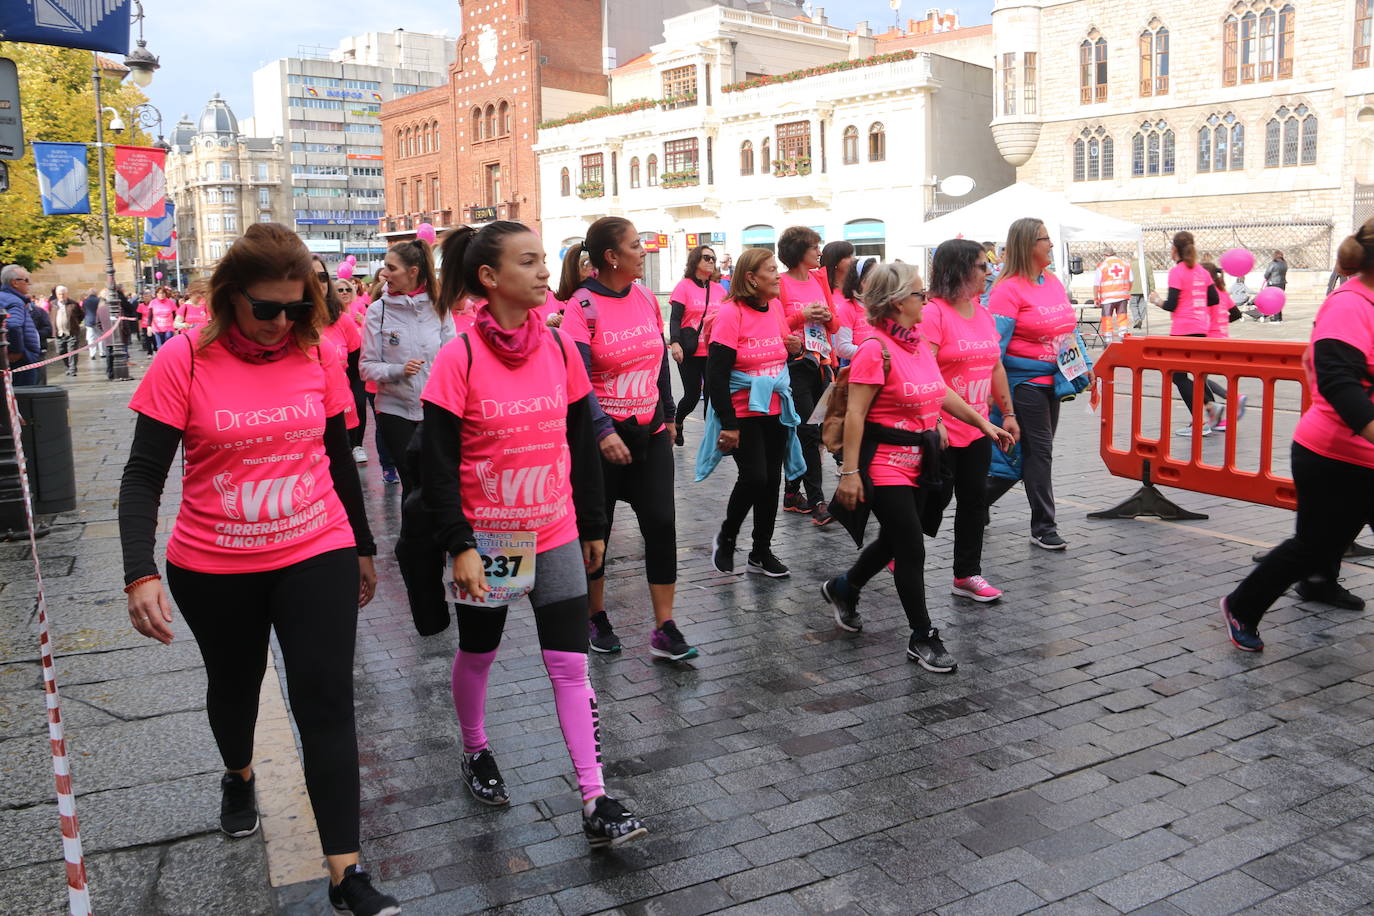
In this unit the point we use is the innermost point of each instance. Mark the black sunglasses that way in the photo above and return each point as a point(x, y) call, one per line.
point(323, 275)
point(268, 310)
point(709, 257)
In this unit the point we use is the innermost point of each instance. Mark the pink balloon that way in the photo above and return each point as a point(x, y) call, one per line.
point(1270, 300)
point(425, 232)
point(352, 259)
point(345, 271)
point(158, 275)
point(1237, 262)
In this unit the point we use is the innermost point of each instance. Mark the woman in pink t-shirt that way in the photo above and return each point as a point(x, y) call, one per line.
point(618, 327)
point(347, 293)
point(837, 260)
point(1192, 297)
point(1219, 326)
point(964, 338)
point(894, 438)
point(512, 480)
point(692, 308)
point(162, 315)
point(1333, 451)
point(271, 536)
point(1034, 319)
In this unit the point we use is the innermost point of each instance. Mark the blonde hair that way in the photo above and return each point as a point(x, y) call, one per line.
point(742, 289)
point(1018, 258)
point(884, 286)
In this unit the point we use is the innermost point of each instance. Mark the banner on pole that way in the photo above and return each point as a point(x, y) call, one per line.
point(62, 178)
point(169, 252)
point(92, 25)
point(140, 181)
point(158, 230)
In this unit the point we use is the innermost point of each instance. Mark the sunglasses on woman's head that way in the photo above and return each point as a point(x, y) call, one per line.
point(268, 310)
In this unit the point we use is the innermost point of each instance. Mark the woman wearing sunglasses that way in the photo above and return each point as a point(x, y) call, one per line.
point(270, 536)
point(694, 303)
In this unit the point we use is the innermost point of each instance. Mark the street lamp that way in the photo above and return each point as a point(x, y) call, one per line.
point(141, 62)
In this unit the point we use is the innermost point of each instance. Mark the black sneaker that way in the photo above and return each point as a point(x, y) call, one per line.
point(483, 778)
point(677, 437)
point(794, 502)
point(1051, 541)
point(846, 607)
point(610, 824)
point(238, 809)
point(1324, 591)
point(668, 642)
point(929, 652)
point(723, 553)
point(355, 894)
point(600, 634)
point(767, 565)
point(1244, 637)
point(820, 513)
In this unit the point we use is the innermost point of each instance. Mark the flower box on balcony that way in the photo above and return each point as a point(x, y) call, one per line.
point(680, 179)
point(591, 189)
point(784, 168)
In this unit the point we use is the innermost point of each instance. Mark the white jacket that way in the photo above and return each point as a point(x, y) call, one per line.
point(399, 329)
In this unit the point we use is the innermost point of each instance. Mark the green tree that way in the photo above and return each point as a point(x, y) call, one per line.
point(58, 103)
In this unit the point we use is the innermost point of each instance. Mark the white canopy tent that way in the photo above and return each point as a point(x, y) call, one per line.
point(990, 218)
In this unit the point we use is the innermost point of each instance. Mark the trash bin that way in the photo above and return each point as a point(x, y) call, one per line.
point(47, 442)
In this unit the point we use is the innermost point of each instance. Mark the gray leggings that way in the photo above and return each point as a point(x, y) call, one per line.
point(559, 598)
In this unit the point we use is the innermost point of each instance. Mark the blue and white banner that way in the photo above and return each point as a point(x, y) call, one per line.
point(92, 25)
point(158, 230)
point(62, 178)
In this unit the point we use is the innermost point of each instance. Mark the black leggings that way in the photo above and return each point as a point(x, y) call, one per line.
point(396, 433)
point(313, 607)
point(970, 465)
point(1183, 384)
point(899, 542)
point(359, 388)
point(762, 447)
point(1335, 500)
point(808, 384)
point(691, 370)
point(647, 485)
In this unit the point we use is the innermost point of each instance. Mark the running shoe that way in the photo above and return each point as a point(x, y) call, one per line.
point(356, 895)
point(668, 642)
point(845, 606)
point(601, 635)
point(767, 565)
point(723, 553)
point(977, 588)
point(238, 809)
point(1221, 425)
point(389, 475)
point(677, 437)
point(1188, 430)
point(1051, 541)
point(929, 652)
point(820, 514)
point(483, 778)
point(1324, 591)
point(1244, 637)
point(610, 824)
point(359, 455)
point(794, 502)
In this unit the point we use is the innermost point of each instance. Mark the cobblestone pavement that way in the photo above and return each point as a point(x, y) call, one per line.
point(1102, 748)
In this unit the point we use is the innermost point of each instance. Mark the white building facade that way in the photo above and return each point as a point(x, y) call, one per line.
point(760, 123)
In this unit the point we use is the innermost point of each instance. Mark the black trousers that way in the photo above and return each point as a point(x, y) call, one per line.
point(899, 542)
point(691, 370)
point(647, 485)
point(759, 458)
point(808, 385)
point(313, 607)
point(359, 389)
point(970, 466)
point(1037, 410)
point(396, 432)
point(1335, 500)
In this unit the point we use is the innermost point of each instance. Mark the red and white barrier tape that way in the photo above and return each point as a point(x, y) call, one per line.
point(78, 894)
point(49, 362)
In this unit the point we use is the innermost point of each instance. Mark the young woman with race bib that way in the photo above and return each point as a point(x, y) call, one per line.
point(1192, 298)
point(512, 480)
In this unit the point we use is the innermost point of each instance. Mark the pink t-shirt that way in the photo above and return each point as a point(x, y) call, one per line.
point(1347, 315)
point(695, 307)
point(797, 295)
point(968, 350)
point(551, 306)
point(1042, 313)
point(344, 336)
point(257, 493)
point(757, 339)
point(1221, 315)
point(1193, 314)
point(908, 400)
point(515, 464)
point(626, 340)
point(195, 314)
point(161, 314)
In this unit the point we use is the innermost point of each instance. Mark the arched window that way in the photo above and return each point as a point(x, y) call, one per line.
point(503, 118)
point(1290, 138)
point(491, 121)
point(746, 157)
point(760, 236)
point(429, 140)
point(1221, 144)
point(1258, 46)
point(634, 172)
point(1152, 150)
point(400, 145)
point(877, 142)
point(653, 171)
point(765, 157)
point(436, 136)
point(564, 183)
point(1092, 69)
point(477, 133)
point(1094, 155)
point(1154, 60)
point(851, 145)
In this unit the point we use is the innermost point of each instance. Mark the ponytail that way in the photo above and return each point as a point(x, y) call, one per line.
point(452, 288)
point(1186, 248)
point(466, 250)
point(1356, 254)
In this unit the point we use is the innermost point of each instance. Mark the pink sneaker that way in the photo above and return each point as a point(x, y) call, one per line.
point(977, 588)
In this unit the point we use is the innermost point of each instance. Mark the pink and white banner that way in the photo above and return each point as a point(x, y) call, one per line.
point(140, 181)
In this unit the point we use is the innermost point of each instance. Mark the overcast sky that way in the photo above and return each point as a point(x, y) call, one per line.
point(215, 47)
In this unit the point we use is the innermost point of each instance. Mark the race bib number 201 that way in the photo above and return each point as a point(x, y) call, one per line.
point(508, 559)
point(1071, 361)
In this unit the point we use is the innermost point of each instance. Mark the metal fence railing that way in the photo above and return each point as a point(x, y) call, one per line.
point(1306, 244)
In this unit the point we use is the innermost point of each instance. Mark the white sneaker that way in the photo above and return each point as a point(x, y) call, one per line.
point(359, 454)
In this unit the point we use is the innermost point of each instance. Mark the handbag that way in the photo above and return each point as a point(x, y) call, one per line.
point(690, 337)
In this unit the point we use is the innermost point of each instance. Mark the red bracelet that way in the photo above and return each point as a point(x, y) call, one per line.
point(137, 582)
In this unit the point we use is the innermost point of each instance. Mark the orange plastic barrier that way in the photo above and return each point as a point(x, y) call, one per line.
point(1149, 460)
